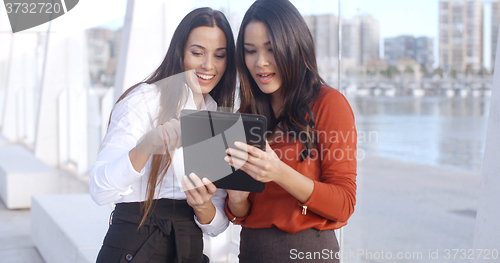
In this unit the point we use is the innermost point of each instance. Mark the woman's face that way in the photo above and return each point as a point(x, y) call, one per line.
point(205, 56)
point(259, 57)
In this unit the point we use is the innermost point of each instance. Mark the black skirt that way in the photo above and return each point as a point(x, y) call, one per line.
point(272, 245)
point(169, 235)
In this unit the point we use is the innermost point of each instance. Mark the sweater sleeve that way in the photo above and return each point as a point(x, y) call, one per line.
point(334, 196)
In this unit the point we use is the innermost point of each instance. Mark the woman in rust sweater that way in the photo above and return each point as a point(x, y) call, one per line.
point(309, 166)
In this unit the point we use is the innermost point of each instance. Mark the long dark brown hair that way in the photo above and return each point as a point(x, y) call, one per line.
point(173, 63)
point(293, 49)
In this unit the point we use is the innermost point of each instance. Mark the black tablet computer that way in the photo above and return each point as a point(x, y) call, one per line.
point(205, 137)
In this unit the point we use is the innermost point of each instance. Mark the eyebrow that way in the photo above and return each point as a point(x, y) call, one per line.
point(249, 44)
point(202, 47)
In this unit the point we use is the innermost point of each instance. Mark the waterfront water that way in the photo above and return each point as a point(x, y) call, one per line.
point(431, 130)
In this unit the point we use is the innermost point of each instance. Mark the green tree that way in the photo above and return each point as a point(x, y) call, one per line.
point(438, 71)
point(423, 69)
point(392, 71)
point(469, 70)
point(453, 73)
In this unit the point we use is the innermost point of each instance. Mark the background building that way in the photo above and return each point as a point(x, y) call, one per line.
point(495, 22)
point(418, 48)
point(324, 30)
point(361, 36)
point(360, 39)
point(369, 38)
point(461, 35)
point(351, 44)
point(424, 52)
point(396, 48)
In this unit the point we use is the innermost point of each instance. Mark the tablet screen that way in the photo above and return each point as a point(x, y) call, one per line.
point(205, 137)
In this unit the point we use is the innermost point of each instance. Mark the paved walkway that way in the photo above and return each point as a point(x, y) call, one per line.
point(410, 207)
point(401, 207)
point(16, 245)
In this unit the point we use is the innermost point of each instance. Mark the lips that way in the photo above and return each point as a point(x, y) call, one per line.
point(205, 76)
point(204, 79)
point(265, 77)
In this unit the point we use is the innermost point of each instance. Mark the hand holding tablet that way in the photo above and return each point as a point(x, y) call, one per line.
point(205, 137)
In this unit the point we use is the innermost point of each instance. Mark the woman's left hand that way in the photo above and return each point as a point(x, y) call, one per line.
point(199, 196)
point(263, 166)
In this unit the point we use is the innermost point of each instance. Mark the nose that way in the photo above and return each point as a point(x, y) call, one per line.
point(262, 60)
point(208, 63)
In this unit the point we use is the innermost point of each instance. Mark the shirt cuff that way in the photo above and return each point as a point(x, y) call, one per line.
point(121, 173)
point(216, 226)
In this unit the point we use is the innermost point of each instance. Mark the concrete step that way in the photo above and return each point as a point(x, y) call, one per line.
point(22, 176)
point(68, 228)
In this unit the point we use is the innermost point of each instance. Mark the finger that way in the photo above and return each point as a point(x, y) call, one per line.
point(244, 157)
point(237, 153)
point(249, 148)
point(171, 134)
point(189, 197)
point(177, 127)
point(192, 191)
point(244, 166)
point(268, 147)
point(164, 134)
point(198, 183)
point(187, 185)
point(210, 186)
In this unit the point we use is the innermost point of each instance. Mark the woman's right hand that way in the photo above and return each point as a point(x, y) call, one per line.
point(165, 137)
point(171, 134)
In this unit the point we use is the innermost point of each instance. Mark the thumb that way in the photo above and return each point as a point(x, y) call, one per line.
point(268, 147)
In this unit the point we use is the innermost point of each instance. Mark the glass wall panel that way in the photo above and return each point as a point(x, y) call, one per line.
point(418, 75)
point(103, 45)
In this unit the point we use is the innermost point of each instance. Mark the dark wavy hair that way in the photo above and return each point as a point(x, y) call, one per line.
point(172, 64)
point(293, 49)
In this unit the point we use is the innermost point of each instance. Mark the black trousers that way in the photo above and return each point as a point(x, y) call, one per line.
point(169, 235)
point(272, 245)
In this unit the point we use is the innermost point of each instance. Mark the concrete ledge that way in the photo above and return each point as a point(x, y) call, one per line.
point(22, 175)
point(68, 228)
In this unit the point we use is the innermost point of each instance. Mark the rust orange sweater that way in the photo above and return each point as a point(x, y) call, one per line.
point(332, 168)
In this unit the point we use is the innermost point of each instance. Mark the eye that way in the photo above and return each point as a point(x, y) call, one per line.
point(270, 50)
point(220, 55)
point(250, 51)
point(196, 53)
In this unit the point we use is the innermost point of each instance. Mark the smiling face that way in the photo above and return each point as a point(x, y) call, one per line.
point(205, 54)
point(259, 57)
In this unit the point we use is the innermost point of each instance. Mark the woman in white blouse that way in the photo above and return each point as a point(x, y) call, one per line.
point(159, 214)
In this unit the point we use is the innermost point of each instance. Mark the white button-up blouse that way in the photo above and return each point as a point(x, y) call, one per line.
point(114, 179)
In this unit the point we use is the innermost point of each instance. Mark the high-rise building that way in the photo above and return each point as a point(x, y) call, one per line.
point(351, 42)
point(495, 26)
point(421, 49)
point(370, 38)
point(424, 52)
point(324, 30)
point(461, 35)
point(396, 48)
point(360, 39)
